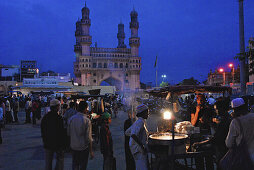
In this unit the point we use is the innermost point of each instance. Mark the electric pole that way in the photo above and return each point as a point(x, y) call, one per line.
point(242, 49)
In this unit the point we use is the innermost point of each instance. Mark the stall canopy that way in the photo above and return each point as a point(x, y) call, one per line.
point(42, 93)
point(187, 89)
point(73, 97)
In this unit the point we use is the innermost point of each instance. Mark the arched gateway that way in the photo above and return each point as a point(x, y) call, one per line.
point(110, 81)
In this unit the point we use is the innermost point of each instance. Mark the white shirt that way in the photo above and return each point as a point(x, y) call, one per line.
point(80, 131)
point(8, 106)
point(139, 129)
point(234, 136)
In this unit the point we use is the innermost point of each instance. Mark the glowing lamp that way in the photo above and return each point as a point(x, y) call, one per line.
point(167, 115)
point(230, 65)
point(221, 70)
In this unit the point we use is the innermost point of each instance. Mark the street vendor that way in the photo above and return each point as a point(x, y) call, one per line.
point(139, 138)
point(202, 114)
point(217, 141)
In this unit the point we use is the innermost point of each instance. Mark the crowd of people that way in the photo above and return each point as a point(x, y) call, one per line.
point(9, 108)
point(74, 125)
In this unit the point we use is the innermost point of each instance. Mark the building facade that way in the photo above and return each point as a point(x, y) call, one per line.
point(9, 73)
point(118, 67)
point(61, 77)
point(217, 78)
point(31, 85)
point(28, 69)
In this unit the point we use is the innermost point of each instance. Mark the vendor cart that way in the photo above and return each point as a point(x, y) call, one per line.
point(166, 148)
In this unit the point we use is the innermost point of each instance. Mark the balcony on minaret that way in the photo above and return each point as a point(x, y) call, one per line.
point(86, 22)
point(78, 28)
point(86, 39)
point(134, 25)
point(78, 32)
point(134, 41)
point(77, 48)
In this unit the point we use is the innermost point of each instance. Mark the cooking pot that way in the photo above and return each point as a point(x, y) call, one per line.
point(160, 143)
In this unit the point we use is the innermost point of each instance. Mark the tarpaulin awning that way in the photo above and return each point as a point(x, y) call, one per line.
point(187, 89)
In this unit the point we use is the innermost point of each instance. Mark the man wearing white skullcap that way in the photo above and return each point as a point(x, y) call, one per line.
point(241, 128)
point(139, 138)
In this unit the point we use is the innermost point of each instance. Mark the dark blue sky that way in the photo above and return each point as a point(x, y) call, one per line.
point(190, 37)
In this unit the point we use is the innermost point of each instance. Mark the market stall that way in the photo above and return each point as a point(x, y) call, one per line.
point(168, 147)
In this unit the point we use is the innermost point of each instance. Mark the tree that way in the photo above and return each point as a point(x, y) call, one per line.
point(190, 81)
point(205, 82)
point(163, 84)
point(142, 85)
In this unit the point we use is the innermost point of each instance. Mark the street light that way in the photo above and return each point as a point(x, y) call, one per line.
point(221, 70)
point(233, 71)
point(164, 76)
point(242, 49)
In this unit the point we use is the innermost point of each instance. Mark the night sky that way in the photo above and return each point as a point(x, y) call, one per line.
point(190, 37)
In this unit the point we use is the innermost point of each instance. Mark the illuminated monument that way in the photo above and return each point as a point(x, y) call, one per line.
point(118, 67)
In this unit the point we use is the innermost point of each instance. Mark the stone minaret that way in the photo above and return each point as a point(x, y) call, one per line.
point(86, 39)
point(82, 48)
point(77, 46)
point(121, 36)
point(134, 41)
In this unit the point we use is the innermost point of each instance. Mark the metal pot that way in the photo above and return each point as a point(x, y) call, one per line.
point(160, 143)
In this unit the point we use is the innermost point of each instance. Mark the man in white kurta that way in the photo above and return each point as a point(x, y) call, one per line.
point(139, 138)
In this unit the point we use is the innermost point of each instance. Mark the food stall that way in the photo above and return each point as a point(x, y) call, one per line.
point(167, 147)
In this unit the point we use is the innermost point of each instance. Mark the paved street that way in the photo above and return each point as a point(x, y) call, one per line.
point(22, 147)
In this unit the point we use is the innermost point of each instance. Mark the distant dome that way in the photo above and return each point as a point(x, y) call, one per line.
point(134, 13)
point(85, 8)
